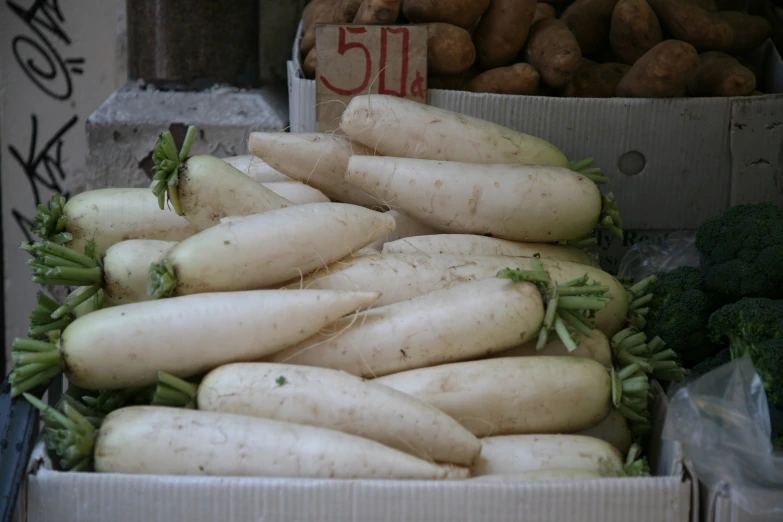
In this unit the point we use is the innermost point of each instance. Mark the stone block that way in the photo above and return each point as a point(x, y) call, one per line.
point(122, 132)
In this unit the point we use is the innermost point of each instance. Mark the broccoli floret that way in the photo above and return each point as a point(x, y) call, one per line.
point(754, 327)
point(740, 252)
point(678, 314)
point(717, 360)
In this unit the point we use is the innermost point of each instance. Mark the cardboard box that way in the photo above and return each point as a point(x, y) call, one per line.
point(671, 162)
point(719, 507)
point(52, 496)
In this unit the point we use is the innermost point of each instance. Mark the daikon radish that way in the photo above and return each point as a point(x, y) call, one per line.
point(548, 475)
point(328, 399)
point(265, 249)
point(121, 273)
point(125, 346)
point(517, 202)
point(296, 192)
point(319, 160)
point(204, 189)
point(513, 454)
point(256, 169)
point(593, 346)
point(614, 430)
point(406, 227)
point(108, 216)
point(466, 321)
point(153, 440)
point(404, 128)
point(473, 245)
point(403, 276)
point(514, 395)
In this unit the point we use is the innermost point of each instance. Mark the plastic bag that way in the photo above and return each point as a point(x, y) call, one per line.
point(722, 421)
point(645, 259)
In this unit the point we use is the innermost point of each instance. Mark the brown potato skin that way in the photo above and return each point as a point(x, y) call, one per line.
point(544, 11)
point(634, 30)
point(450, 49)
point(730, 32)
point(719, 74)
point(596, 81)
point(452, 82)
point(553, 50)
point(665, 71)
point(309, 64)
point(502, 32)
point(590, 20)
point(378, 12)
point(462, 13)
point(520, 78)
point(317, 12)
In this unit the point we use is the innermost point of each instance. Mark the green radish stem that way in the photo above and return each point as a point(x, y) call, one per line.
point(666, 365)
point(583, 244)
point(41, 321)
point(174, 392)
point(610, 216)
point(69, 435)
point(49, 224)
point(167, 166)
point(162, 279)
point(35, 362)
point(585, 168)
point(635, 464)
point(630, 387)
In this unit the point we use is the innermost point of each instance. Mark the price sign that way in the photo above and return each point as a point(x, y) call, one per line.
point(367, 59)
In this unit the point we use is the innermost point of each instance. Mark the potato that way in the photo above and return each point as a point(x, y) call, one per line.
point(502, 31)
point(339, 12)
point(544, 11)
point(665, 71)
point(730, 32)
point(317, 12)
point(634, 30)
point(590, 20)
point(309, 64)
point(462, 13)
point(452, 82)
point(553, 50)
point(719, 74)
point(381, 12)
point(450, 49)
point(520, 78)
point(596, 81)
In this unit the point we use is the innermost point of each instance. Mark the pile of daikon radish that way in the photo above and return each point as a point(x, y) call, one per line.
point(407, 299)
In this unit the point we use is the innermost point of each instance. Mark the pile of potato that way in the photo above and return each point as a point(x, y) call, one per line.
point(571, 48)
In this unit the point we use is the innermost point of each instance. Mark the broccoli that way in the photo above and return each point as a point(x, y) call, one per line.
point(716, 361)
point(678, 314)
point(740, 252)
point(754, 327)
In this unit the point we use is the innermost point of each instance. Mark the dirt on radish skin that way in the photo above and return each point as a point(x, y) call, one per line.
point(152, 440)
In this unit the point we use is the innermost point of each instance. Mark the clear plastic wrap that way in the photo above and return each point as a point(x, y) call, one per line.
point(722, 421)
point(645, 259)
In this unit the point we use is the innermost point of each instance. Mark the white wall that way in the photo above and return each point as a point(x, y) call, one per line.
point(59, 60)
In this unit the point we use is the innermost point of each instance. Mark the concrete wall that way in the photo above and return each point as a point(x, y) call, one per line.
point(58, 62)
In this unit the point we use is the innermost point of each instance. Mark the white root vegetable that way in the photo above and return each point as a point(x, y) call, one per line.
point(265, 249)
point(465, 321)
point(594, 346)
point(404, 128)
point(154, 440)
point(547, 475)
point(614, 430)
point(256, 169)
point(296, 192)
point(403, 276)
point(516, 202)
point(125, 346)
point(204, 189)
point(515, 394)
point(525, 453)
point(318, 160)
point(108, 216)
point(338, 401)
point(406, 227)
point(473, 245)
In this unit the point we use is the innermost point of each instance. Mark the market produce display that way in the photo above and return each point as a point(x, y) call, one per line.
point(363, 337)
point(571, 48)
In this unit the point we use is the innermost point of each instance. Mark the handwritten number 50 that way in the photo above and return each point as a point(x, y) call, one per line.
point(342, 48)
